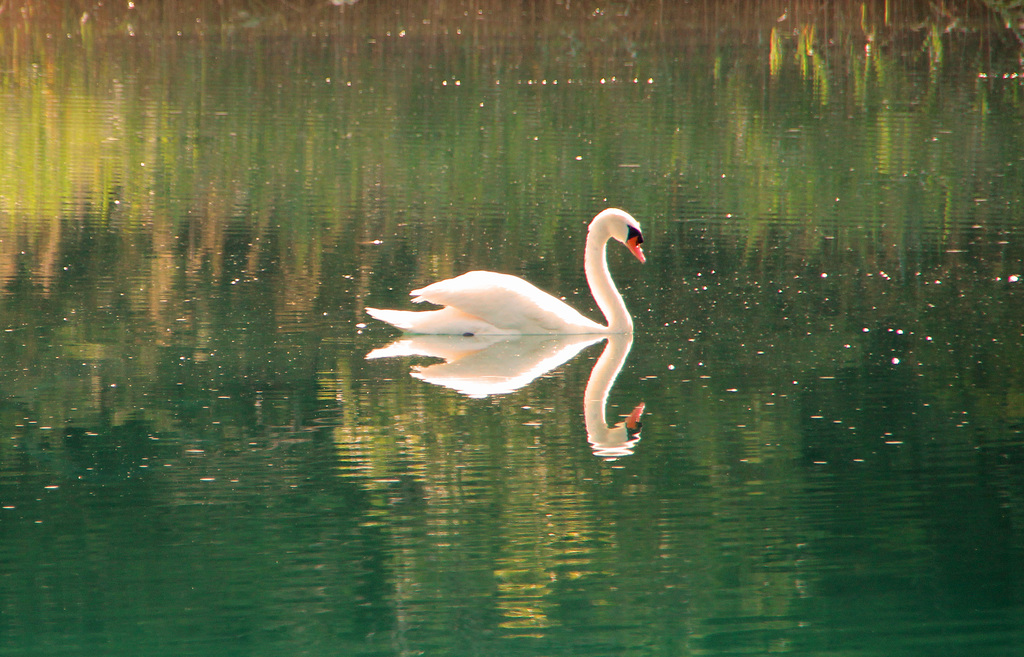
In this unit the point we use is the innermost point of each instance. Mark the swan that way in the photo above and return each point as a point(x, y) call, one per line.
point(488, 303)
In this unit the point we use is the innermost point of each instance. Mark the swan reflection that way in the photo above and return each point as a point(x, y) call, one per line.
point(485, 365)
point(616, 441)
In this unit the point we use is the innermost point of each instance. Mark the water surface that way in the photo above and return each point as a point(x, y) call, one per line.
point(196, 456)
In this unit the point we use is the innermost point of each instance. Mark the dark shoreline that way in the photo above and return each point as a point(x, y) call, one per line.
point(873, 21)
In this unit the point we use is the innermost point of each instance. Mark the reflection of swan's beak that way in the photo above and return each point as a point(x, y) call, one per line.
point(619, 440)
point(633, 422)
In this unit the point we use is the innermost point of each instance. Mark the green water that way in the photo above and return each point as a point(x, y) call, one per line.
point(196, 457)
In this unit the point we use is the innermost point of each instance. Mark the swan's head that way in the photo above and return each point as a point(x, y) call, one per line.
point(620, 225)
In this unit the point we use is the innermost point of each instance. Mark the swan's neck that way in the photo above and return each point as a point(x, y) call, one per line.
point(595, 264)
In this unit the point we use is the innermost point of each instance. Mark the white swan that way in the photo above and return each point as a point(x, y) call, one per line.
point(487, 303)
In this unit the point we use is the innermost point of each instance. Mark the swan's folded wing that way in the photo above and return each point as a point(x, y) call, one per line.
point(506, 302)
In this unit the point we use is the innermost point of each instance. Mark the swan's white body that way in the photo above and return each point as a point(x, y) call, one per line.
point(487, 303)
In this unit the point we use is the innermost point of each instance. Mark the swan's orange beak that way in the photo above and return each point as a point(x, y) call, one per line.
point(633, 244)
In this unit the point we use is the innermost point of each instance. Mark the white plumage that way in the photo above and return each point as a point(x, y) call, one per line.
point(489, 303)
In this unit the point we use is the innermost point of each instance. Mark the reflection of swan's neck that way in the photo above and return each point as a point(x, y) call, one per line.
point(604, 440)
point(595, 264)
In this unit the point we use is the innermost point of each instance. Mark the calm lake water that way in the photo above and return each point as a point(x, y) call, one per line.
point(197, 458)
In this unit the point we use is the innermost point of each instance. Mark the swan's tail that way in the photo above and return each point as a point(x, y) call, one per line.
point(444, 321)
point(402, 319)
